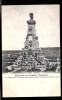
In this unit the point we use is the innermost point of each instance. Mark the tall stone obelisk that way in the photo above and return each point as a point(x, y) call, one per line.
point(31, 41)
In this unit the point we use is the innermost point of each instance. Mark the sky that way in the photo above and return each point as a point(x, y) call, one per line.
point(14, 25)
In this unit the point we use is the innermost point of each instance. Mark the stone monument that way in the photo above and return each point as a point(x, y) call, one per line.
point(31, 58)
point(31, 39)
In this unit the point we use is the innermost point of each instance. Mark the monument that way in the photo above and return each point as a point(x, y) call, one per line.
point(31, 39)
point(31, 58)
point(31, 42)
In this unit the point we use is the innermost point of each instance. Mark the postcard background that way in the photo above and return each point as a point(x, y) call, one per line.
point(28, 87)
point(14, 31)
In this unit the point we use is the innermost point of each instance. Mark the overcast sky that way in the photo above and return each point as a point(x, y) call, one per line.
point(14, 25)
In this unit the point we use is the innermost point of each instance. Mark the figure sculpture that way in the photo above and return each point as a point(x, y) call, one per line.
point(31, 16)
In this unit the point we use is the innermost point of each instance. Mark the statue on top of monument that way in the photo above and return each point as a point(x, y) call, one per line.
point(31, 16)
